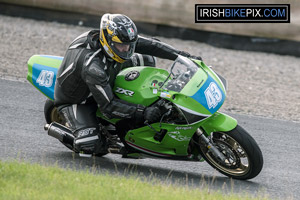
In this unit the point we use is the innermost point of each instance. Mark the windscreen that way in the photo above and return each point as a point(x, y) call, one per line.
point(182, 70)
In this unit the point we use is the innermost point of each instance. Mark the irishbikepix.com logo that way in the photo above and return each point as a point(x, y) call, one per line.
point(241, 13)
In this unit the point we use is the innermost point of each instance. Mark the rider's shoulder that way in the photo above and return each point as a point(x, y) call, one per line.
point(87, 40)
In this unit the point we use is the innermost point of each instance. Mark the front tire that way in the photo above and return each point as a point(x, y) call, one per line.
point(244, 158)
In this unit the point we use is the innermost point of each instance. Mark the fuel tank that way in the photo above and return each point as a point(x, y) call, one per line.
point(134, 84)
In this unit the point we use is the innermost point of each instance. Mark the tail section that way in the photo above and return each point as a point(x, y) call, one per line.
point(42, 70)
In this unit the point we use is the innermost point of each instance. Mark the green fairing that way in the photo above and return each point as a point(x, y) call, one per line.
point(189, 103)
point(184, 97)
point(218, 122)
point(45, 60)
point(175, 142)
point(144, 94)
point(195, 83)
point(211, 73)
point(42, 60)
point(177, 139)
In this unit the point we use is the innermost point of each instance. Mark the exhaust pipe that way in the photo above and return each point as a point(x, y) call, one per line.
point(60, 132)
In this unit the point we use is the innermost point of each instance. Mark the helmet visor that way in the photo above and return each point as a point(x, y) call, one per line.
point(123, 50)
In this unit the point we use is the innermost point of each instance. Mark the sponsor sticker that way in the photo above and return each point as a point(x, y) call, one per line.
point(130, 33)
point(125, 92)
point(183, 128)
point(177, 136)
point(165, 95)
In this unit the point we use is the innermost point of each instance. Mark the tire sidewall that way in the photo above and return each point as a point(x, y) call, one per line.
point(48, 107)
point(250, 147)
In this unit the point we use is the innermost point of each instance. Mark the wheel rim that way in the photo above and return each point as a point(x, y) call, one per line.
point(237, 162)
point(55, 116)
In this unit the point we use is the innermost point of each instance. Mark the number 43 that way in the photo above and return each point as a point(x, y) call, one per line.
point(45, 78)
point(213, 95)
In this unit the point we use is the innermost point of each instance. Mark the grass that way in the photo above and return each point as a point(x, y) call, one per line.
point(19, 180)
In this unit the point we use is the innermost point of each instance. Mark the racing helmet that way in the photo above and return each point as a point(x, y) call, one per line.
point(118, 36)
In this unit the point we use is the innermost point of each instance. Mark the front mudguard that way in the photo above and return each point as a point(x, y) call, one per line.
point(218, 122)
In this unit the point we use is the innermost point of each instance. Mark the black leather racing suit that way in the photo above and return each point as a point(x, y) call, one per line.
point(85, 79)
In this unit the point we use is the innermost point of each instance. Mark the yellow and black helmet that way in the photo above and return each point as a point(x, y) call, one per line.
point(118, 36)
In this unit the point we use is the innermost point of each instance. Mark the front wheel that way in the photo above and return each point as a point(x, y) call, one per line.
point(244, 158)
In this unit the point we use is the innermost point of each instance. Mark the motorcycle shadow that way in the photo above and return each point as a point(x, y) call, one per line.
point(163, 172)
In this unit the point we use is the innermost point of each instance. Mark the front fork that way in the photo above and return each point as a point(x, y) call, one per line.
point(211, 147)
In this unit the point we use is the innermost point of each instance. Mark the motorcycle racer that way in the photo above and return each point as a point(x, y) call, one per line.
point(86, 76)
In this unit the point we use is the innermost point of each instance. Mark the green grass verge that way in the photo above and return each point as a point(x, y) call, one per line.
point(19, 180)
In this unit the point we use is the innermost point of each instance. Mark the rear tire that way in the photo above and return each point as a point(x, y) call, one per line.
point(51, 113)
point(244, 158)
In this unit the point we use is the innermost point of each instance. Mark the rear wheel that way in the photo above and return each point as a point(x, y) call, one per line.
point(244, 158)
point(51, 113)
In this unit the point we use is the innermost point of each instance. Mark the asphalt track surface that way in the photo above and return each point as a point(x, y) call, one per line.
point(22, 137)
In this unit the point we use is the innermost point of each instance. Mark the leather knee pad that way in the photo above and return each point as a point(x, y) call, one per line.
point(79, 116)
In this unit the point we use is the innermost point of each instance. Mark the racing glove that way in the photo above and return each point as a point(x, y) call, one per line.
point(152, 114)
point(186, 54)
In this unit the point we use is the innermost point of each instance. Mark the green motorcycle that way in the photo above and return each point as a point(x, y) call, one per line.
point(189, 96)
